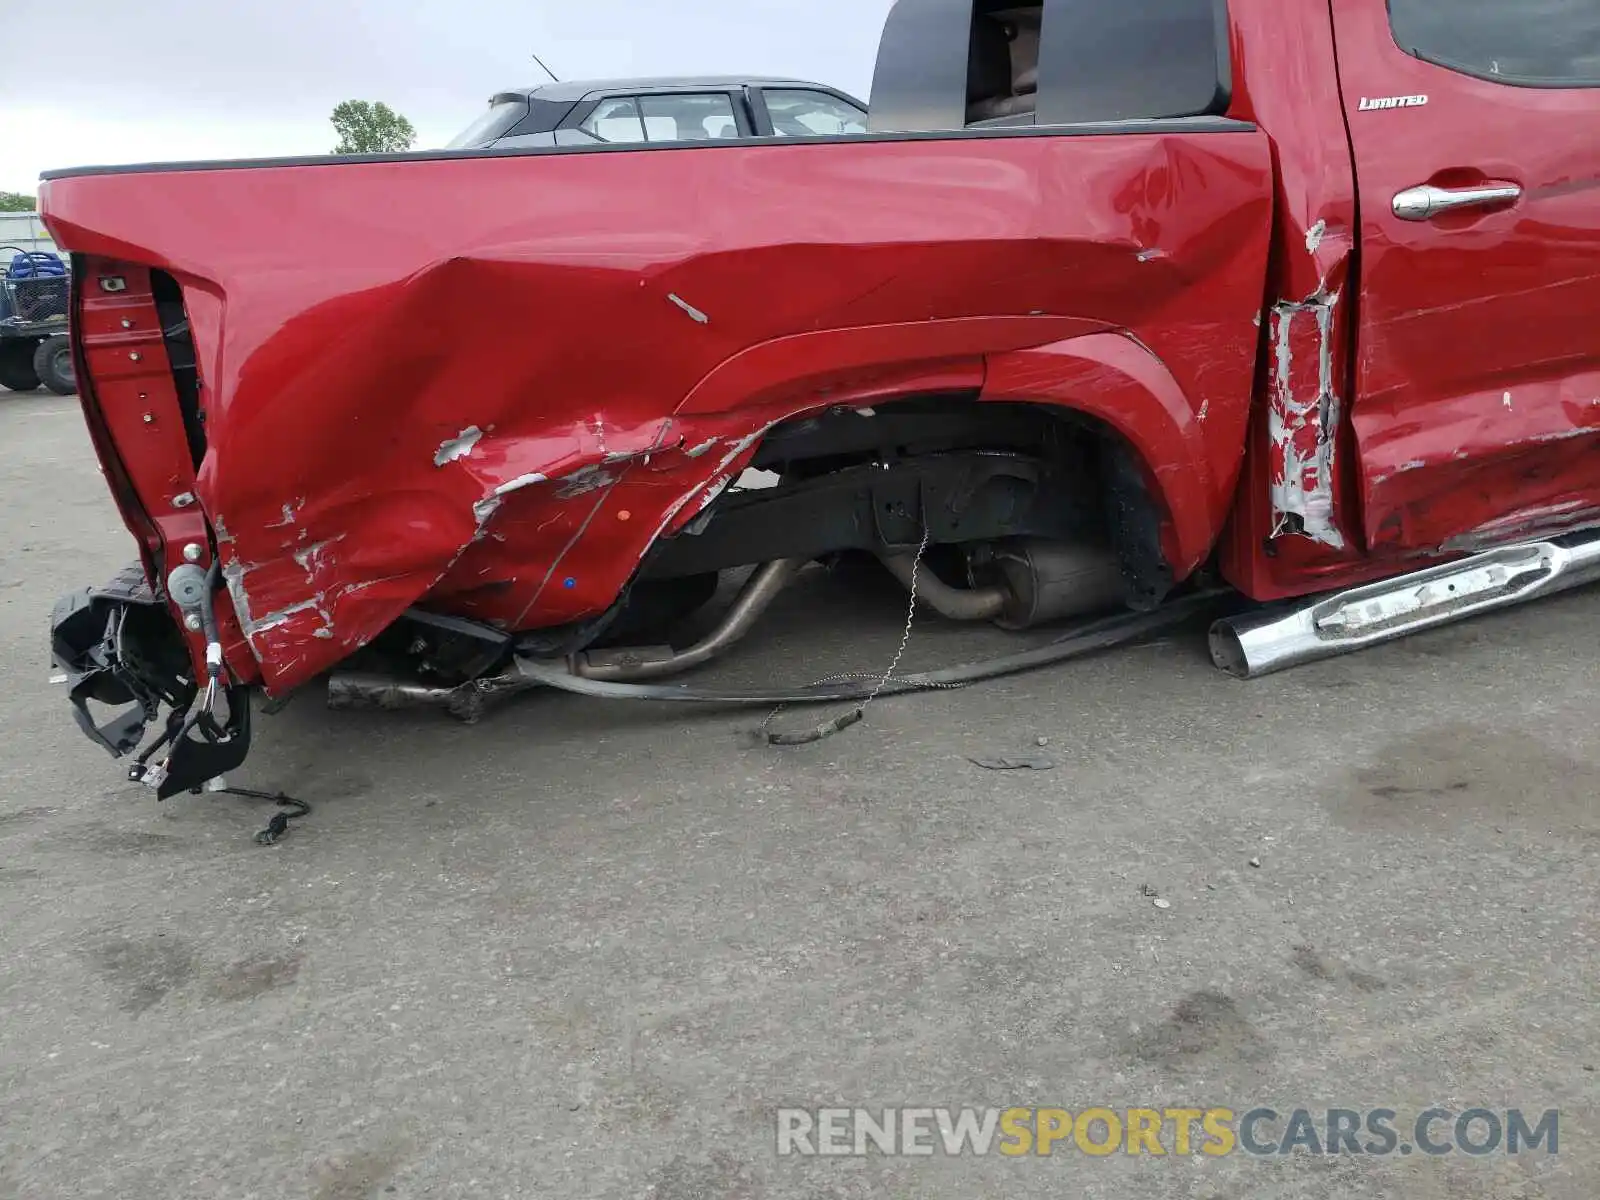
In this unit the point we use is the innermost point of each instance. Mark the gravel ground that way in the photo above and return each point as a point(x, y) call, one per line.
point(588, 950)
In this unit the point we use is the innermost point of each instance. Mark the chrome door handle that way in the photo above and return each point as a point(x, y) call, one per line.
point(1420, 203)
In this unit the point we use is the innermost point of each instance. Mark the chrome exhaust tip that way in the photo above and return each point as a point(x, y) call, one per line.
point(1227, 648)
point(1264, 642)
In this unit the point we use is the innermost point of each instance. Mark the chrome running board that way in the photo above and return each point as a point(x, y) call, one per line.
point(1260, 643)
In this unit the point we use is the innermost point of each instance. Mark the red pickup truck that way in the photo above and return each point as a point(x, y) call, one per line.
point(1112, 306)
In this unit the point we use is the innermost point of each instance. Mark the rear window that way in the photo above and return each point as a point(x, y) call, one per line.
point(1117, 60)
point(502, 115)
point(1549, 43)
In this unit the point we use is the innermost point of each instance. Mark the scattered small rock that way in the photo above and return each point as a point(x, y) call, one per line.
point(1044, 741)
point(1255, 862)
point(1211, 887)
point(1161, 903)
point(1588, 1066)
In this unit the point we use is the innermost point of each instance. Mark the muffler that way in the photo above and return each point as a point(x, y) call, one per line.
point(1047, 582)
point(1260, 643)
point(1041, 582)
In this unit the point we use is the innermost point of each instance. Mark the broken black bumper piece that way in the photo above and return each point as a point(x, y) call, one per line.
point(116, 647)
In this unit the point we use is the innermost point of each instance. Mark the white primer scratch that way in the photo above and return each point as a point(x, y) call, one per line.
point(310, 555)
point(689, 308)
point(1568, 516)
point(290, 512)
point(585, 480)
point(273, 619)
point(714, 489)
point(1558, 435)
point(1314, 236)
point(457, 447)
point(233, 576)
point(697, 451)
point(490, 504)
point(741, 446)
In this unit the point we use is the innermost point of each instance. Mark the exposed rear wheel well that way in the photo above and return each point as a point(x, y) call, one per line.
point(1034, 513)
point(971, 473)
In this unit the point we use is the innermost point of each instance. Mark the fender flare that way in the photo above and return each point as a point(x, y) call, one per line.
point(814, 369)
point(1116, 380)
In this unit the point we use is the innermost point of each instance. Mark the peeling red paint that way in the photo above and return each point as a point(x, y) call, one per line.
point(1303, 414)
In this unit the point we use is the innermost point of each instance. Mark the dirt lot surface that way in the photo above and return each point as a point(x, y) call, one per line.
point(588, 950)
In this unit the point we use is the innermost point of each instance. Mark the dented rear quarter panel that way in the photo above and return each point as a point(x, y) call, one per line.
point(489, 384)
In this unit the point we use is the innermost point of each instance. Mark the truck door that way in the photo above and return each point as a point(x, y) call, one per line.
point(1475, 127)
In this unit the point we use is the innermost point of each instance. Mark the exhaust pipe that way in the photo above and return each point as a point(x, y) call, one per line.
point(349, 690)
point(633, 663)
point(1252, 645)
point(952, 603)
point(364, 689)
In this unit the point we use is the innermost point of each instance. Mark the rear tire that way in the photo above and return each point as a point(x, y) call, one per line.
point(52, 363)
point(16, 366)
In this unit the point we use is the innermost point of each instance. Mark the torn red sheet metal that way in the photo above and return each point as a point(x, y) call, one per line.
point(1303, 417)
point(492, 399)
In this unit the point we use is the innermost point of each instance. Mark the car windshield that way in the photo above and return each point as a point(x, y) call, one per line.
point(500, 117)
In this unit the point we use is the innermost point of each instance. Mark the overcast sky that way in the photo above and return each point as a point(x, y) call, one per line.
point(148, 80)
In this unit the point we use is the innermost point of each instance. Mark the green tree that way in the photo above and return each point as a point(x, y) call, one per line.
point(17, 202)
point(367, 128)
